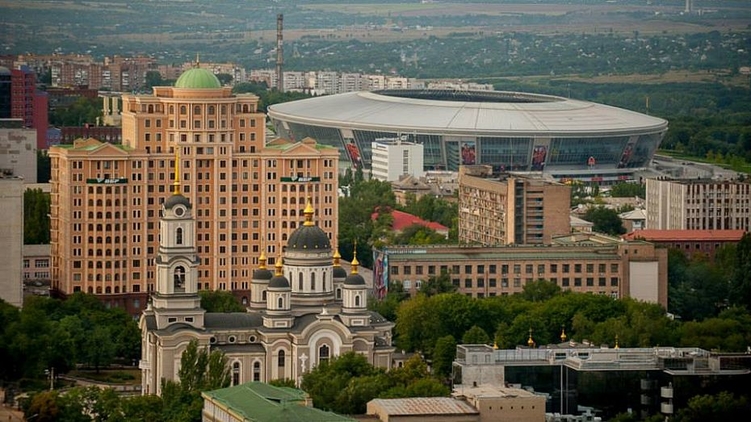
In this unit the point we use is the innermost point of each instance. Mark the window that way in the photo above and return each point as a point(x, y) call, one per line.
point(256, 371)
point(280, 303)
point(323, 354)
point(280, 359)
point(179, 236)
point(179, 279)
point(236, 373)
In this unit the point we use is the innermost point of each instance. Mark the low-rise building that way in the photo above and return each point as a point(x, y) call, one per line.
point(402, 220)
point(691, 242)
point(423, 409)
point(581, 262)
point(501, 403)
point(259, 402)
point(634, 219)
point(36, 263)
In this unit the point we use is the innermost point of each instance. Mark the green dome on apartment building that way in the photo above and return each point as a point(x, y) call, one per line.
point(198, 78)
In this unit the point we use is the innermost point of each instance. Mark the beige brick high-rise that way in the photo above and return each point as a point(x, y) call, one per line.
point(511, 209)
point(247, 196)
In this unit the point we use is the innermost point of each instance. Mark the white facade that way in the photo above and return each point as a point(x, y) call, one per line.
point(18, 153)
point(394, 158)
point(698, 205)
point(11, 240)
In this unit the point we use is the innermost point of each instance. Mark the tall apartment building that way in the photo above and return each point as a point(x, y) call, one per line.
point(11, 239)
point(393, 158)
point(29, 104)
point(581, 262)
point(510, 209)
point(247, 196)
point(18, 150)
point(698, 204)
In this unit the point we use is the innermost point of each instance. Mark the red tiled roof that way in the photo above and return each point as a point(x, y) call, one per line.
point(402, 220)
point(686, 235)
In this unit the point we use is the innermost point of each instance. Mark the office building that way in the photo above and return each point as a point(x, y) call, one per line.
point(581, 262)
point(510, 209)
point(106, 198)
point(306, 312)
point(11, 237)
point(691, 242)
point(18, 150)
point(698, 204)
point(393, 159)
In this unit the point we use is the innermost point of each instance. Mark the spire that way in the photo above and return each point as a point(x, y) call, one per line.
point(278, 266)
point(355, 262)
point(530, 342)
point(308, 212)
point(616, 342)
point(262, 260)
point(198, 61)
point(176, 183)
point(337, 257)
point(563, 334)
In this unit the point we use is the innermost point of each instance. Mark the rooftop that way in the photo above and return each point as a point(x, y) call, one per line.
point(256, 401)
point(686, 235)
point(424, 406)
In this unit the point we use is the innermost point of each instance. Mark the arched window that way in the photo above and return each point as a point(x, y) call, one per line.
point(280, 303)
point(357, 301)
point(172, 109)
point(211, 109)
point(179, 279)
point(338, 294)
point(257, 371)
point(183, 109)
point(179, 236)
point(324, 281)
point(313, 281)
point(197, 110)
point(263, 296)
point(280, 359)
point(323, 354)
point(236, 373)
point(299, 282)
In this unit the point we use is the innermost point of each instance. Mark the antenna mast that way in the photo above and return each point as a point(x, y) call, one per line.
point(279, 53)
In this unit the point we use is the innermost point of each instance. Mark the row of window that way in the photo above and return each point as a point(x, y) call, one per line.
point(504, 268)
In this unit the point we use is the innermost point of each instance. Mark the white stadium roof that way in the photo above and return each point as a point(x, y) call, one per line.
point(485, 113)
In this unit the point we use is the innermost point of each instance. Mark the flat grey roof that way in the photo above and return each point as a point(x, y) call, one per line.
point(541, 114)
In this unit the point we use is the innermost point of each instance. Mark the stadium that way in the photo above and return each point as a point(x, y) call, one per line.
point(512, 131)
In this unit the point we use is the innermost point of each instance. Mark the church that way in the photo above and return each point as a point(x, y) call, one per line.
point(305, 311)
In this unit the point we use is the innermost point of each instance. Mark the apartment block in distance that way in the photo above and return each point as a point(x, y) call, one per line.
point(510, 208)
point(698, 204)
point(248, 197)
point(581, 262)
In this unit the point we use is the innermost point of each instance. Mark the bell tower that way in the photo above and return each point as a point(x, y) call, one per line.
point(176, 298)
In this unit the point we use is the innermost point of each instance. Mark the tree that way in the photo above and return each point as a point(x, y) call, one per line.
point(225, 78)
point(44, 166)
point(605, 221)
point(475, 335)
point(740, 284)
point(100, 350)
point(722, 406)
point(540, 290)
point(437, 285)
point(220, 301)
point(626, 190)
point(443, 355)
point(36, 217)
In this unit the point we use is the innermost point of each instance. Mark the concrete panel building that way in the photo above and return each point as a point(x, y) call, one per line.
point(510, 209)
point(581, 262)
point(106, 198)
point(698, 204)
point(11, 239)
